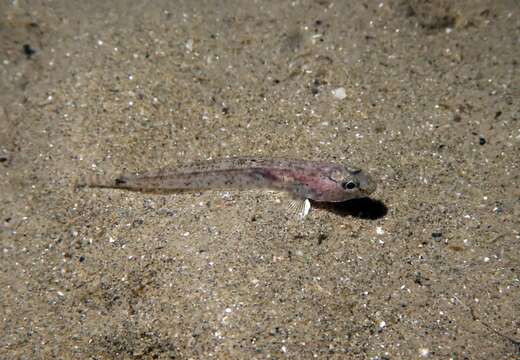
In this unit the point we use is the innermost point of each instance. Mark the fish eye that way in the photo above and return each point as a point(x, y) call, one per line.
point(349, 185)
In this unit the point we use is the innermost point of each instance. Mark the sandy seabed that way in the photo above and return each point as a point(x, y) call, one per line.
point(422, 94)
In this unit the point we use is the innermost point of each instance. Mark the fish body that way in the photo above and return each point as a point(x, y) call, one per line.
point(303, 179)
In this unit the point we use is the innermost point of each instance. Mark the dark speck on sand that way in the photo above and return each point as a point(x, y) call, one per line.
point(426, 268)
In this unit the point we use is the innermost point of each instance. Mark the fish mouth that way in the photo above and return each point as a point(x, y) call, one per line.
point(369, 187)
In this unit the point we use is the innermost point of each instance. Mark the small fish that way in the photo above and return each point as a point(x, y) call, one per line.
point(315, 180)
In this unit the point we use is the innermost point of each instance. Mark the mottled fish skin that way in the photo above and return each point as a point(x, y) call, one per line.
point(315, 180)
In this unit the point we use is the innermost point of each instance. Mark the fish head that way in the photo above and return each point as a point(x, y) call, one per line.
point(353, 182)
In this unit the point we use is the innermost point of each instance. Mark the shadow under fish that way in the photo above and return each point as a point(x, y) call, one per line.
point(363, 208)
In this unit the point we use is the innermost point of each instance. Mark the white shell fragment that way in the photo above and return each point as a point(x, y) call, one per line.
point(305, 208)
point(339, 93)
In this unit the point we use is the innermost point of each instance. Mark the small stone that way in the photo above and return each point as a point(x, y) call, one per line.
point(436, 235)
point(315, 87)
point(481, 140)
point(424, 352)
point(28, 50)
point(339, 93)
point(189, 45)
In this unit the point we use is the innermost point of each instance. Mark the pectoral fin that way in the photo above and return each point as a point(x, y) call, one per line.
point(300, 207)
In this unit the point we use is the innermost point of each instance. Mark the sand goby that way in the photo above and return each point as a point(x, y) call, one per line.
point(303, 179)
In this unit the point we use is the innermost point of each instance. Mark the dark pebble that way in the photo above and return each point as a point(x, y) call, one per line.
point(137, 222)
point(481, 140)
point(315, 86)
point(28, 50)
point(436, 235)
point(321, 238)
